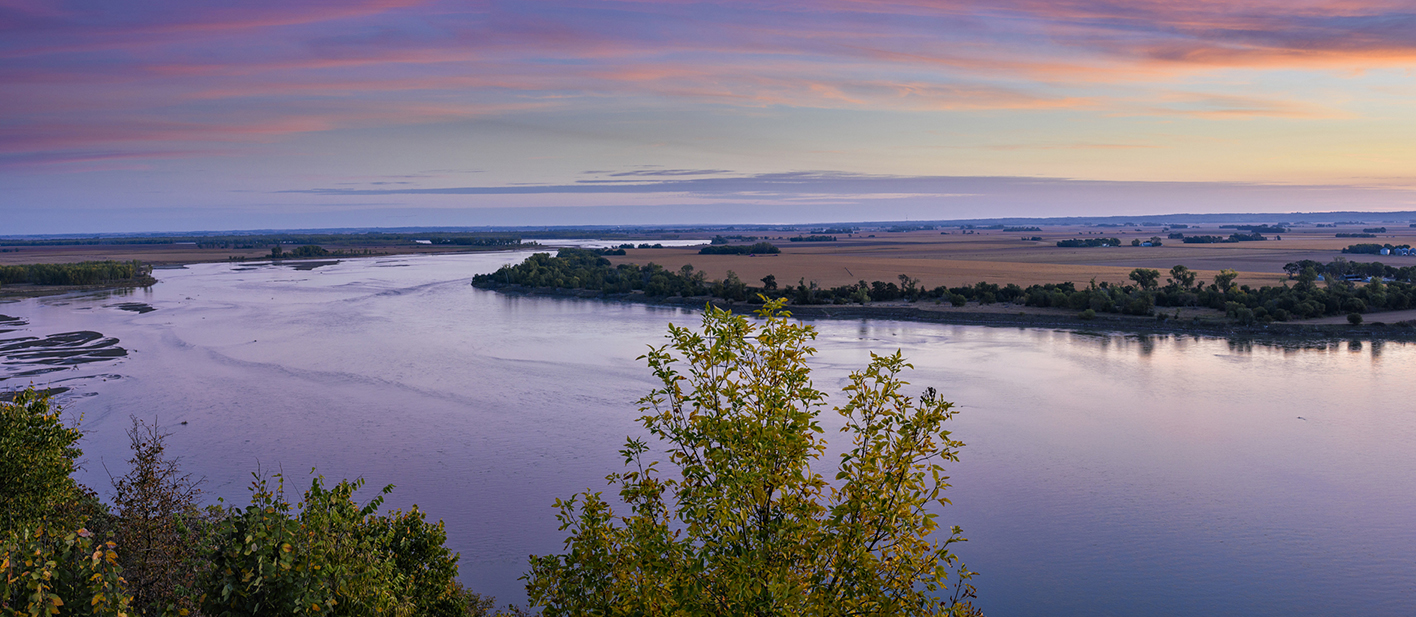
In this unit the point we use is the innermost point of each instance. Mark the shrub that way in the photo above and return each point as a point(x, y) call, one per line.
point(44, 573)
point(39, 453)
point(331, 557)
point(1354, 318)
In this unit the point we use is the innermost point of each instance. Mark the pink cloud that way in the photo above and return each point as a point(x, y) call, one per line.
point(87, 79)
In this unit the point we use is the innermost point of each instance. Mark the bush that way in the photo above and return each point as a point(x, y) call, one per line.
point(1088, 314)
point(42, 571)
point(1354, 319)
point(333, 556)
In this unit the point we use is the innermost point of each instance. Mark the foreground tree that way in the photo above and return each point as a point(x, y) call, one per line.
point(49, 563)
point(748, 527)
point(39, 451)
point(157, 525)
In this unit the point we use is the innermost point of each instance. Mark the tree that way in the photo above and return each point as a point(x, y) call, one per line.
point(1145, 277)
point(1182, 277)
point(748, 527)
point(154, 509)
point(769, 282)
point(39, 453)
point(47, 559)
point(1307, 276)
point(1224, 280)
point(909, 286)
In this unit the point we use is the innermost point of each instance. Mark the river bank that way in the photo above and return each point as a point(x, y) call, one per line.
point(26, 290)
point(1018, 316)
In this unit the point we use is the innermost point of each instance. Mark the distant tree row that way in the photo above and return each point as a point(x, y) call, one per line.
point(1234, 237)
point(816, 238)
point(1089, 242)
point(760, 248)
point(1341, 268)
point(722, 239)
point(1373, 249)
point(83, 273)
point(1258, 229)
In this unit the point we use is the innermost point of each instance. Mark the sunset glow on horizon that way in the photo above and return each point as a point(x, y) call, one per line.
point(158, 115)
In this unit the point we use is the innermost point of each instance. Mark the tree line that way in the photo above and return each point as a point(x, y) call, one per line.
point(759, 248)
point(1234, 237)
point(82, 273)
point(1142, 294)
point(1374, 249)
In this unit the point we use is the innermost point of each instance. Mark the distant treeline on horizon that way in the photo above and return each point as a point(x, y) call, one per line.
point(1174, 220)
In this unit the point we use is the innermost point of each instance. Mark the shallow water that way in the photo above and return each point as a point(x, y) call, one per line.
point(1104, 474)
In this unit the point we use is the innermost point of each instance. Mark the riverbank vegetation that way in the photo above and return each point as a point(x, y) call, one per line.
point(1347, 287)
point(153, 550)
point(83, 273)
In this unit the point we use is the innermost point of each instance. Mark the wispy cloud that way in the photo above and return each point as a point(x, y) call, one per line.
point(532, 91)
point(202, 62)
point(811, 183)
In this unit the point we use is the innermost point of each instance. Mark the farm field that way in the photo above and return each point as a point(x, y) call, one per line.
point(995, 256)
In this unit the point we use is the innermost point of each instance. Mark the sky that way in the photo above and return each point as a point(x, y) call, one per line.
point(175, 115)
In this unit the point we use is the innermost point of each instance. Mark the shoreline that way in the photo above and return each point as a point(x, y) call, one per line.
point(25, 290)
point(17, 291)
point(970, 316)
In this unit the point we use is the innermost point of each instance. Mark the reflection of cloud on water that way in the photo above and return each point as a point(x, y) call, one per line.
point(27, 356)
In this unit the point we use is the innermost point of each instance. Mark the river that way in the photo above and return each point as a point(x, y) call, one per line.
point(1105, 474)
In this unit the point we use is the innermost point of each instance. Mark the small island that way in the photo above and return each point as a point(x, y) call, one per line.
point(46, 279)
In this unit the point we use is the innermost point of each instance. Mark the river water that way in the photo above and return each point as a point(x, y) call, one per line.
point(1105, 474)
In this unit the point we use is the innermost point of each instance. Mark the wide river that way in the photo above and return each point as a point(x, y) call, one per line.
point(1105, 474)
